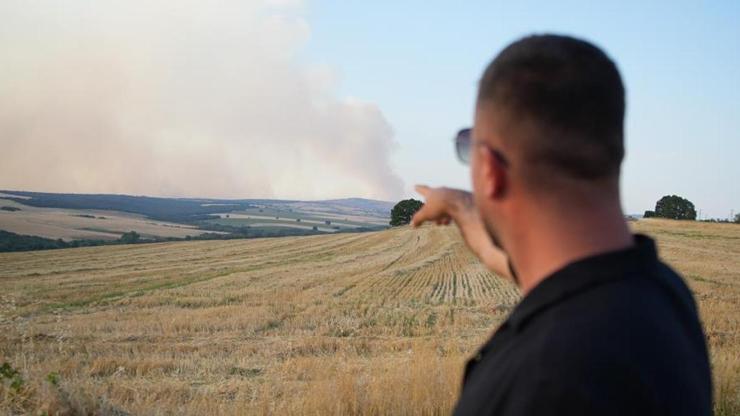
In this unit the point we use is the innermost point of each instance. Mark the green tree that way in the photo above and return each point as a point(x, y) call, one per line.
point(675, 208)
point(130, 237)
point(737, 218)
point(403, 211)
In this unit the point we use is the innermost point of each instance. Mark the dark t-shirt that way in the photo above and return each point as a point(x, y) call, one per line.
point(613, 334)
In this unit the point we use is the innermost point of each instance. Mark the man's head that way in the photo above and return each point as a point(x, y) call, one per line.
point(553, 107)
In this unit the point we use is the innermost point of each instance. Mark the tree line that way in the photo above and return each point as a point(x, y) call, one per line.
point(670, 206)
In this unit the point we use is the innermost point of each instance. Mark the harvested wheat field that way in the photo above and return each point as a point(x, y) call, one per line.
point(374, 323)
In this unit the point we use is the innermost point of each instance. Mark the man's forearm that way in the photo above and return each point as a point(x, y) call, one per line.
point(445, 204)
point(496, 261)
point(476, 237)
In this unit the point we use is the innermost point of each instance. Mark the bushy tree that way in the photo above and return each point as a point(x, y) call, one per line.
point(675, 207)
point(649, 214)
point(737, 218)
point(130, 237)
point(403, 211)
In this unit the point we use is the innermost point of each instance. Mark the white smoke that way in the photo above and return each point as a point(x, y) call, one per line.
point(180, 98)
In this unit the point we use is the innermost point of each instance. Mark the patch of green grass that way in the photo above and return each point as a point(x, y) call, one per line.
point(13, 376)
point(271, 324)
point(702, 279)
point(245, 372)
point(699, 235)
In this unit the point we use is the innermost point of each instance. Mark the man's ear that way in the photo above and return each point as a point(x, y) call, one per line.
point(494, 174)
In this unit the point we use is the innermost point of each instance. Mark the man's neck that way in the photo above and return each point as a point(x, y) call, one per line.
point(549, 242)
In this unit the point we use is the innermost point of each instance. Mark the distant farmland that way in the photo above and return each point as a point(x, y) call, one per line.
point(266, 217)
point(106, 217)
point(373, 323)
point(71, 224)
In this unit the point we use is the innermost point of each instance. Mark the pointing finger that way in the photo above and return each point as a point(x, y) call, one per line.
point(419, 218)
point(422, 189)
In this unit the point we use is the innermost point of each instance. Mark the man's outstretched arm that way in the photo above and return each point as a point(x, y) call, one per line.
point(445, 205)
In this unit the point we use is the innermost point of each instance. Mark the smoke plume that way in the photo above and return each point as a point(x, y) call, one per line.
point(180, 98)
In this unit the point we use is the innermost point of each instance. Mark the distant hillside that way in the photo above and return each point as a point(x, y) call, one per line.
point(105, 217)
point(361, 203)
point(166, 209)
point(181, 209)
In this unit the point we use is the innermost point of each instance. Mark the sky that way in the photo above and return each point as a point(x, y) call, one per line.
point(323, 99)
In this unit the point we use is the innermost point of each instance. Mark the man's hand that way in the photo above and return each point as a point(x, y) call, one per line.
point(445, 205)
point(441, 204)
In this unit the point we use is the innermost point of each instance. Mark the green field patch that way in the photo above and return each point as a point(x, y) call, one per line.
point(269, 224)
point(305, 216)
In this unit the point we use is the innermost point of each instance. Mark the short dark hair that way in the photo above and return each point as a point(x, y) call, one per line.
point(571, 93)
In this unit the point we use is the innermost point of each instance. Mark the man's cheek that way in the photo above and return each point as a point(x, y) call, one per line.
point(474, 179)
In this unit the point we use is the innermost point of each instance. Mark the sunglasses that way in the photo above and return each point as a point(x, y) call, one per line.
point(464, 143)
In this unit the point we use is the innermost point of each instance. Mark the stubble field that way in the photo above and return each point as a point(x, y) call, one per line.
point(373, 323)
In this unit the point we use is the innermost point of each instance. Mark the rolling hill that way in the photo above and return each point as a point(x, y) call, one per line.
point(101, 218)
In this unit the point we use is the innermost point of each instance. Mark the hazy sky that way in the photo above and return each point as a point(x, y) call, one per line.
point(318, 99)
point(180, 98)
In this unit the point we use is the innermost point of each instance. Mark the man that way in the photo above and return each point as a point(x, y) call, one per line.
point(604, 327)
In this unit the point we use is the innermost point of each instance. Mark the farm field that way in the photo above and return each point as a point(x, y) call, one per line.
point(77, 224)
point(299, 215)
point(373, 323)
point(106, 217)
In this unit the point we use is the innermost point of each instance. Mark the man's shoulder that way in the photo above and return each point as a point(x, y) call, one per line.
point(626, 336)
point(621, 318)
point(617, 343)
point(633, 302)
